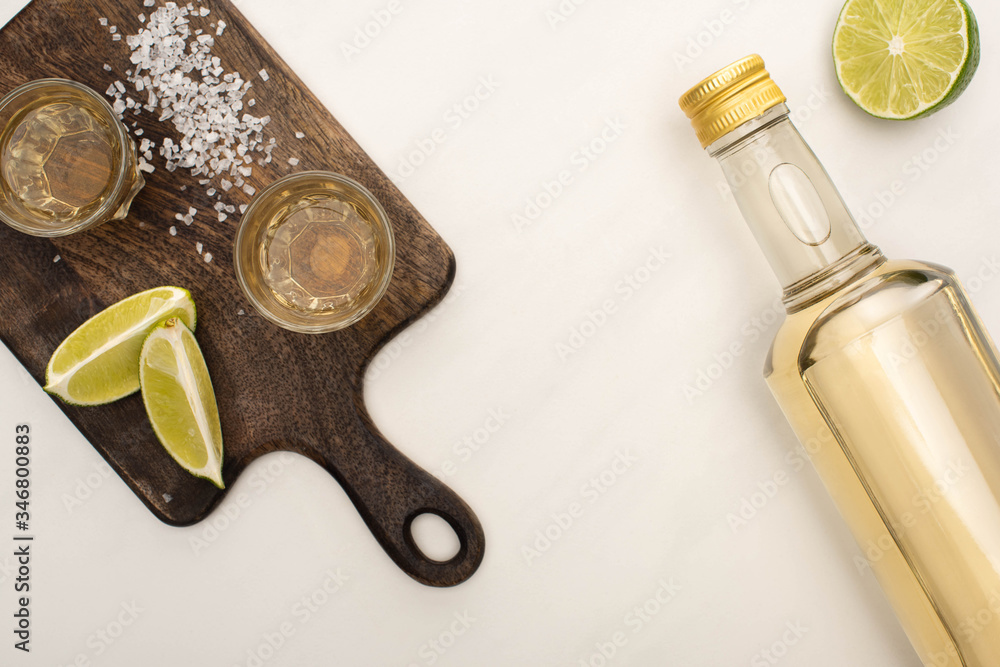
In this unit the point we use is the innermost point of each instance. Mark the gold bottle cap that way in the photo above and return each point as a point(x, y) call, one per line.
point(729, 98)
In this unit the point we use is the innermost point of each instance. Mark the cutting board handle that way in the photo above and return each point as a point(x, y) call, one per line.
point(390, 491)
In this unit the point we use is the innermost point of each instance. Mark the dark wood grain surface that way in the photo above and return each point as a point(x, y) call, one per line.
point(276, 390)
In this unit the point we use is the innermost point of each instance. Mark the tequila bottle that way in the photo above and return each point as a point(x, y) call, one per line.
point(883, 370)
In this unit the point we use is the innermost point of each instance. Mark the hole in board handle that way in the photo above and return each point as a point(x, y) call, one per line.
point(434, 537)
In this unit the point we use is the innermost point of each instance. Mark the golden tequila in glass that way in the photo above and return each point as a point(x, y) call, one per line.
point(314, 252)
point(66, 161)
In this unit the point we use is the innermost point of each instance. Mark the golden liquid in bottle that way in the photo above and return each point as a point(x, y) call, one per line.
point(885, 384)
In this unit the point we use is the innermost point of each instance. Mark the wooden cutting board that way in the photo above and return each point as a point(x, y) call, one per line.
point(276, 390)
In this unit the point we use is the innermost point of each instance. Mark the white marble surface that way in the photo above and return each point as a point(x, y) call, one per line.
point(218, 593)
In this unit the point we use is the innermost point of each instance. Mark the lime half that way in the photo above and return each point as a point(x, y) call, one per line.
point(99, 362)
point(900, 59)
point(180, 401)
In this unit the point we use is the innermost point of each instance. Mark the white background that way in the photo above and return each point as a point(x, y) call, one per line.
point(493, 346)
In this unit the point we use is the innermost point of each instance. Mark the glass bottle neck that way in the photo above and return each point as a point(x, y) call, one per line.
point(793, 209)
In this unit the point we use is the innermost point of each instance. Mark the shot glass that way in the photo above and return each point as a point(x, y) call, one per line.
point(314, 252)
point(66, 161)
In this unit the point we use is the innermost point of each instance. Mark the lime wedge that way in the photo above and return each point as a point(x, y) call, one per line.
point(180, 401)
point(99, 362)
point(900, 59)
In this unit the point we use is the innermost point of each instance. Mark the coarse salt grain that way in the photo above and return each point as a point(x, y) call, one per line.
point(181, 81)
point(199, 246)
point(56, 258)
point(208, 257)
point(294, 161)
point(189, 86)
point(300, 135)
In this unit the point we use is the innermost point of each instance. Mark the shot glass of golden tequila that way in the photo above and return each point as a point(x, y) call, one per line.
point(314, 252)
point(66, 161)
